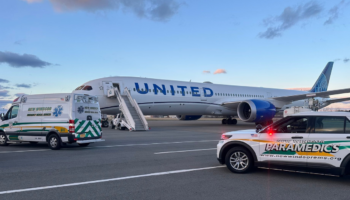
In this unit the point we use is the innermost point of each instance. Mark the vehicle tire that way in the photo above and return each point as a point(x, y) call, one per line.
point(106, 124)
point(239, 160)
point(33, 142)
point(123, 128)
point(54, 142)
point(84, 144)
point(224, 121)
point(234, 121)
point(3, 140)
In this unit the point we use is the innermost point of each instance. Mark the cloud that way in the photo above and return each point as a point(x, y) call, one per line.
point(288, 18)
point(24, 85)
point(334, 12)
point(158, 10)
point(5, 105)
point(4, 81)
point(19, 61)
point(346, 60)
point(220, 71)
point(300, 89)
point(4, 93)
point(206, 72)
point(19, 42)
point(5, 87)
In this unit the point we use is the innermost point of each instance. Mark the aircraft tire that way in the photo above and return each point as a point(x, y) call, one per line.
point(234, 121)
point(224, 121)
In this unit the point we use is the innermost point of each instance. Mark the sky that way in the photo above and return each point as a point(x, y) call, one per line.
point(50, 46)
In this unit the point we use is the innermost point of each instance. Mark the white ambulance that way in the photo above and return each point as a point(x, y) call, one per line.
point(57, 119)
point(317, 142)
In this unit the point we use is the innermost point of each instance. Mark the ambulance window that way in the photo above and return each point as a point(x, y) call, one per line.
point(329, 125)
point(87, 87)
point(79, 88)
point(347, 126)
point(293, 125)
point(14, 112)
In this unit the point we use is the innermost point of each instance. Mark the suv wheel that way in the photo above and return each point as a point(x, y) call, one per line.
point(54, 142)
point(3, 140)
point(239, 160)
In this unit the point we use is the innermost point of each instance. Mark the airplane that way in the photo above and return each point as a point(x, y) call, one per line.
point(191, 100)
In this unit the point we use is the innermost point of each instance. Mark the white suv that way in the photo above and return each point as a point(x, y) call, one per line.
point(310, 141)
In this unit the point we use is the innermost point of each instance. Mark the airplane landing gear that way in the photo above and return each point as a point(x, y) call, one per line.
point(229, 121)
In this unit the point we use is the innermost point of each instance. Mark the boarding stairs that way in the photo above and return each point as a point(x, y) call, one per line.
point(133, 119)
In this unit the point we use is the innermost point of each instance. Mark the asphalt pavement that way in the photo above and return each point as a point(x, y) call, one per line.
point(174, 160)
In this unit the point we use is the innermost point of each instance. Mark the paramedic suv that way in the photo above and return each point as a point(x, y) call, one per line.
point(310, 141)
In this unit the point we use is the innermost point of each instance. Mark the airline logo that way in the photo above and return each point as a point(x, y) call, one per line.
point(162, 89)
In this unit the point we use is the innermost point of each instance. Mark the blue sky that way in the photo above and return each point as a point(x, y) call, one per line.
point(49, 46)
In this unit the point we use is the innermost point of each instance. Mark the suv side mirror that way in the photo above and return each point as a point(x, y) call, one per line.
point(2, 115)
point(258, 128)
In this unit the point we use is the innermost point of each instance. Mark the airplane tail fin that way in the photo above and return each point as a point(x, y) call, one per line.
point(322, 82)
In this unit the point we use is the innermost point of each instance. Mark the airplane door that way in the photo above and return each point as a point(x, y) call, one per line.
point(201, 91)
point(106, 86)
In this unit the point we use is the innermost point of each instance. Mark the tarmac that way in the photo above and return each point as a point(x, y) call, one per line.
point(174, 160)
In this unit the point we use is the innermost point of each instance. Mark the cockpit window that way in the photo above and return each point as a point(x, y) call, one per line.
point(79, 88)
point(87, 87)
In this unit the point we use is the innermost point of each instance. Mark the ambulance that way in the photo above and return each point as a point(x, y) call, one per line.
point(57, 119)
point(315, 142)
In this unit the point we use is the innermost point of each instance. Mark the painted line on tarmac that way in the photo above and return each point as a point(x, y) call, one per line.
point(108, 180)
point(158, 143)
point(23, 151)
point(183, 151)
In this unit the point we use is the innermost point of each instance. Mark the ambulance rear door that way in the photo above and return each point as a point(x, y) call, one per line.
point(87, 117)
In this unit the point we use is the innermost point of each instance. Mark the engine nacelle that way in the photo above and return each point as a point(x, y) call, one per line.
point(256, 110)
point(188, 117)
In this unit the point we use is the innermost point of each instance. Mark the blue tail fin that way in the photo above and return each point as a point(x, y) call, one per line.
point(322, 82)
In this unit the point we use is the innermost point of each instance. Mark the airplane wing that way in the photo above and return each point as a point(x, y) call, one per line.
point(338, 100)
point(311, 95)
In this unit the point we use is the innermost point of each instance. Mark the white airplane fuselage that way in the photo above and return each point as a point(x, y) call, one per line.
point(182, 98)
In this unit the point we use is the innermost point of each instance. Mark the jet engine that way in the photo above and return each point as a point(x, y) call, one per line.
point(256, 110)
point(188, 117)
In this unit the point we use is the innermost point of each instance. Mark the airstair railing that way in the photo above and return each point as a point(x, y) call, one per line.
point(137, 108)
point(124, 108)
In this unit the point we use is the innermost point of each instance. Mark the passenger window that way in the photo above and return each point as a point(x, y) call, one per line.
point(134, 89)
point(329, 125)
point(293, 125)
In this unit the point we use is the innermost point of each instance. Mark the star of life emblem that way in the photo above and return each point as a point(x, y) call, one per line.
point(80, 109)
point(57, 111)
